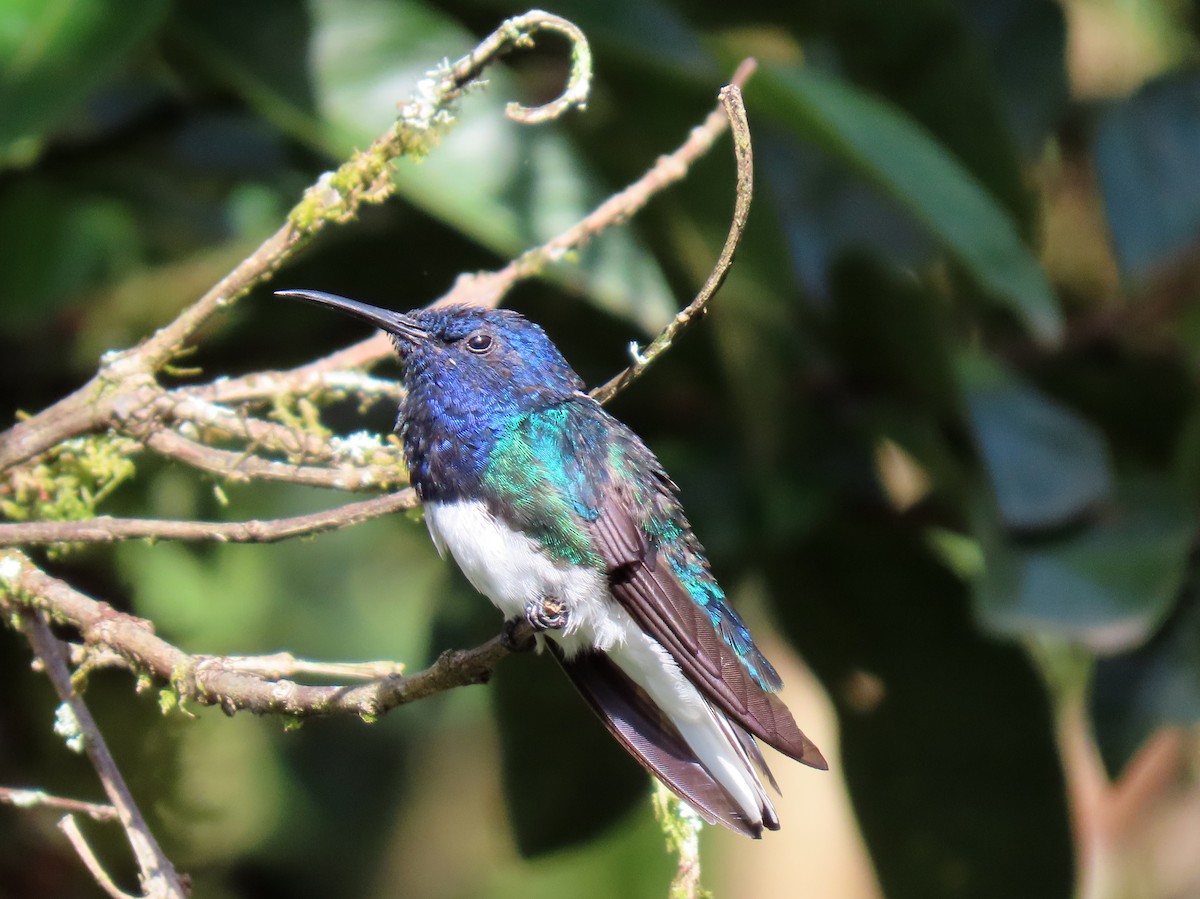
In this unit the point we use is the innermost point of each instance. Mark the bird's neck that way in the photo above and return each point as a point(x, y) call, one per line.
point(449, 438)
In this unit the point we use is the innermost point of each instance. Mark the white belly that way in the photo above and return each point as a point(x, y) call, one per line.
point(512, 571)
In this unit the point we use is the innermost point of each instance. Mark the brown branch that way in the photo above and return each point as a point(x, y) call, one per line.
point(281, 665)
point(336, 197)
point(489, 288)
point(731, 101)
point(158, 876)
point(210, 681)
point(141, 409)
point(109, 530)
point(244, 466)
point(74, 835)
point(332, 374)
point(25, 798)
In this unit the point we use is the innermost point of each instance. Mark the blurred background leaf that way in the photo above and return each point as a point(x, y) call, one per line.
point(1134, 694)
point(53, 55)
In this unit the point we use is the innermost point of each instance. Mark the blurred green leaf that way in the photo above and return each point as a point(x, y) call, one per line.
point(505, 185)
point(946, 735)
point(1154, 686)
point(1147, 155)
point(1107, 584)
point(54, 52)
point(1027, 41)
point(57, 243)
point(212, 603)
point(628, 860)
point(904, 162)
point(892, 334)
point(1046, 465)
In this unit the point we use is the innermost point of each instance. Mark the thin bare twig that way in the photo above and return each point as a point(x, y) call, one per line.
point(103, 529)
point(283, 665)
point(158, 876)
point(70, 828)
point(731, 100)
point(489, 288)
point(333, 374)
point(26, 798)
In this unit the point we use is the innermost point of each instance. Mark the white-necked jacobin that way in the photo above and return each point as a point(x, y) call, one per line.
point(561, 516)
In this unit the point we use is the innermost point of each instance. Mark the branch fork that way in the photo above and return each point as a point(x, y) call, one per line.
point(261, 440)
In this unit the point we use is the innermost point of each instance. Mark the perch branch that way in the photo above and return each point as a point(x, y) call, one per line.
point(211, 681)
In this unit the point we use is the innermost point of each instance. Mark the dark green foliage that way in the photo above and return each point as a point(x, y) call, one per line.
point(948, 744)
point(1136, 693)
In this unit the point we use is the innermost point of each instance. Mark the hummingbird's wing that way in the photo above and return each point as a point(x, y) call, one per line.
point(672, 595)
point(595, 494)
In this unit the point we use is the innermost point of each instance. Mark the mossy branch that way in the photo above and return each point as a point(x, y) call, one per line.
point(56, 466)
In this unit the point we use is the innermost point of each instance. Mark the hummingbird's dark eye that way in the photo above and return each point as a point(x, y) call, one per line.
point(479, 342)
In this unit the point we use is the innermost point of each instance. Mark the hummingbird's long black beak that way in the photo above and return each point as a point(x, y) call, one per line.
point(396, 323)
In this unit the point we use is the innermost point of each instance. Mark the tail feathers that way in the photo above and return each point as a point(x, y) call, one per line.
point(754, 754)
point(642, 728)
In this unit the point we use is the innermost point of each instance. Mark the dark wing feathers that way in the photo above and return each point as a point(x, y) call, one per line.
point(661, 605)
point(649, 589)
point(626, 542)
point(644, 731)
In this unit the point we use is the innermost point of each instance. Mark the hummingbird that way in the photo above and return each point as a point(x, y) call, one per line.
point(562, 517)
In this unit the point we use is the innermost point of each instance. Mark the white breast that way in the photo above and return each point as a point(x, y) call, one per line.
point(512, 570)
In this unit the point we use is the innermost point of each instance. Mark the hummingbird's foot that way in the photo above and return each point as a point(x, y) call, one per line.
point(515, 637)
point(547, 614)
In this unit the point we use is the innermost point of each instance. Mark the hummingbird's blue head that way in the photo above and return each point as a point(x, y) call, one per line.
point(496, 352)
point(466, 359)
